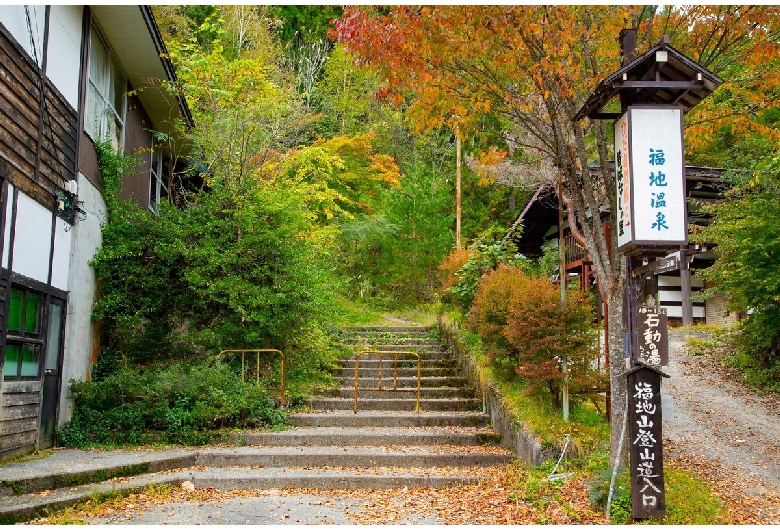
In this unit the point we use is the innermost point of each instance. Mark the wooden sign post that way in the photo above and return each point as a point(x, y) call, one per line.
point(652, 336)
point(655, 89)
point(648, 498)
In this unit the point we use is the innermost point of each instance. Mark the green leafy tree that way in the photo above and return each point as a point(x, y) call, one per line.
point(349, 96)
point(303, 23)
point(398, 261)
point(747, 233)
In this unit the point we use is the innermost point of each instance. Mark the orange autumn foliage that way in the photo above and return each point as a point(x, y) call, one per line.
point(451, 264)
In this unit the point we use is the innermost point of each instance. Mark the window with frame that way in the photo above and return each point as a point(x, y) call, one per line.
point(105, 113)
point(24, 341)
point(158, 190)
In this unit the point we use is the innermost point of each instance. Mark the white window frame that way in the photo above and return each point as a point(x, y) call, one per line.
point(157, 187)
point(99, 98)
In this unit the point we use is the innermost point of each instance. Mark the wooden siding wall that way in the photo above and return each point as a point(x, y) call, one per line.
point(20, 114)
point(138, 142)
point(716, 313)
point(670, 295)
point(19, 416)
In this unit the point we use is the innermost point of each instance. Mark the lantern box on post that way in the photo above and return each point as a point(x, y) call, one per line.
point(650, 173)
point(648, 498)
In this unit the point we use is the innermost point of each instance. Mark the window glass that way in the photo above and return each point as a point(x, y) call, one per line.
point(24, 345)
point(11, 359)
point(106, 94)
point(15, 311)
point(158, 191)
point(53, 337)
point(31, 319)
point(29, 360)
point(98, 60)
point(118, 88)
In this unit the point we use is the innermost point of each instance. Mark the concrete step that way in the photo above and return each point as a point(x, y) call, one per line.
point(348, 392)
point(408, 341)
point(400, 403)
point(30, 505)
point(405, 382)
point(376, 418)
point(355, 457)
point(390, 329)
point(408, 362)
point(367, 436)
point(68, 467)
point(273, 478)
point(390, 371)
point(431, 351)
point(27, 506)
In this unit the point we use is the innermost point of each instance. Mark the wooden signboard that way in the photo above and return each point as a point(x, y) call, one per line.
point(648, 497)
point(651, 338)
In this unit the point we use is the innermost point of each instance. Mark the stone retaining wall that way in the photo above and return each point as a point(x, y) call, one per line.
point(513, 434)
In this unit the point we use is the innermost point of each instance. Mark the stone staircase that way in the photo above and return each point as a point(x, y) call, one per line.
point(385, 444)
point(448, 441)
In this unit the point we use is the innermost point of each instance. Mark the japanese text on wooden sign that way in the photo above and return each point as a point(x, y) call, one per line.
point(644, 416)
point(652, 336)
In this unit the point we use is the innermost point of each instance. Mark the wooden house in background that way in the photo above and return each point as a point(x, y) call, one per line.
point(540, 226)
point(65, 76)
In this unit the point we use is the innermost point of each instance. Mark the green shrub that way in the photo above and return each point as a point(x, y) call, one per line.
point(485, 257)
point(747, 235)
point(620, 507)
point(180, 403)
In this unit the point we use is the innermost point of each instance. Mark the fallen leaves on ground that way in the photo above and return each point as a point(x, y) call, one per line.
point(747, 498)
point(498, 498)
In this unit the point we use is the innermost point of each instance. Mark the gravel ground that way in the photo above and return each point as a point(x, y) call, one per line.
point(723, 431)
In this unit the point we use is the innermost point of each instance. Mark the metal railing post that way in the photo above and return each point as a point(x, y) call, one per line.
point(282, 389)
point(395, 388)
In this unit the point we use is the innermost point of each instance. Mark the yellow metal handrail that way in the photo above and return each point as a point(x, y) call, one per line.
point(395, 375)
point(282, 398)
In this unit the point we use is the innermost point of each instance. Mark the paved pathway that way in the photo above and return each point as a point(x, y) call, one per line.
point(723, 431)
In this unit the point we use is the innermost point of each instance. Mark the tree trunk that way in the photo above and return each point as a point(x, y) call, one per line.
point(617, 367)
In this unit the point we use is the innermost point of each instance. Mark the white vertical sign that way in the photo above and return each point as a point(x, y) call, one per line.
point(623, 179)
point(653, 164)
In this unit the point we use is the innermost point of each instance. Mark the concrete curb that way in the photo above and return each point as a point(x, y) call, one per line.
point(31, 505)
point(513, 435)
point(72, 467)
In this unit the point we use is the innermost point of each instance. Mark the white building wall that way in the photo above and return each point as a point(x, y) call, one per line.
point(15, 20)
point(64, 55)
point(32, 239)
point(86, 240)
point(62, 250)
point(676, 295)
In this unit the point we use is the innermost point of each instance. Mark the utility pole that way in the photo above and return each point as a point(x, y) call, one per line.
point(457, 187)
point(562, 277)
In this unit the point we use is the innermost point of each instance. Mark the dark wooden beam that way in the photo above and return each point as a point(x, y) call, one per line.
point(676, 85)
